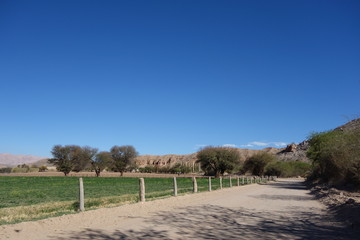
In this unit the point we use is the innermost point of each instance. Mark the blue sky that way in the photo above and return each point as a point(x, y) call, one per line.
point(169, 77)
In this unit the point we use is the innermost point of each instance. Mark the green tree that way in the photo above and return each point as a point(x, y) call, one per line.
point(122, 157)
point(256, 164)
point(217, 160)
point(100, 162)
point(82, 157)
point(62, 158)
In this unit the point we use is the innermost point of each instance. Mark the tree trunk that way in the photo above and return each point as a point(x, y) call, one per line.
point(121, 173)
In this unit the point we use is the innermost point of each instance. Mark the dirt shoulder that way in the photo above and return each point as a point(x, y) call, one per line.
point(281, 210)
point(343, 204)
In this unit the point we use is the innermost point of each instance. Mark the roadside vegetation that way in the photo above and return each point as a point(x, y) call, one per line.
point(267, 164)
point(335, 157)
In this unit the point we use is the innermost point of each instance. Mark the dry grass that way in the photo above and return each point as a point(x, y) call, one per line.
point(41, 211)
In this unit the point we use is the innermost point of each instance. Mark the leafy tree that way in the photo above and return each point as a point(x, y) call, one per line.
point(71, 157)
point(217, 160)
point(100, 162)
point(256, 164)
point(122, 157)
point(82, 157)
point(62, 158)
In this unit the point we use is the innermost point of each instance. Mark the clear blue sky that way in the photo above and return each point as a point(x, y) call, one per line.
point(171, 76)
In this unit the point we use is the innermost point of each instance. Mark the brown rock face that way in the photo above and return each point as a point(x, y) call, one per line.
point(189, 159)
point(291, 148)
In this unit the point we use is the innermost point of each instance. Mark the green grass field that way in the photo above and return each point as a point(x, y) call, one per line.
point(27, 198)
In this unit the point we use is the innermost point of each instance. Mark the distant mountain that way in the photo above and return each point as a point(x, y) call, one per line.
point(10, 160)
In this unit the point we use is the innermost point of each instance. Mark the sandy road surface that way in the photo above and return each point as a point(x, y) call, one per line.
point(281, 210)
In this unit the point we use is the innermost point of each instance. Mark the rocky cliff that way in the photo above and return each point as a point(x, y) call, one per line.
point(190, 159)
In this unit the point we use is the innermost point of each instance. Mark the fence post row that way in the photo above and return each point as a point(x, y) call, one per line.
point(142, 189)
point(81, 195)
point(175, 187)
point(195, 189)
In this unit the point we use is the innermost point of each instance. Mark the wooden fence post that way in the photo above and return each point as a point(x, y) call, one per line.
point(238, 181)
point(230, 183)
point(209, 184)
point(243, 180)
point(81, 195)
point(142, 189)
point(220, 182)
point(175, 187)
point(195, 188)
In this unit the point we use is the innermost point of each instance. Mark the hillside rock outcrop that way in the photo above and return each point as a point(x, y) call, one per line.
point(190, 159)
point(294, 152)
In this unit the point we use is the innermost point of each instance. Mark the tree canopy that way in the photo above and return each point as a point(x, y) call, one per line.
point(122, 157)
point(256, 164)
point(217, 160)
point(71, 157)
point(62, 158)
point(100, 162)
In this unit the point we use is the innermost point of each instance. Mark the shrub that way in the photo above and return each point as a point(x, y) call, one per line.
point(288, 169)
point(256, 164)
point(5, 170)
point(336, 156)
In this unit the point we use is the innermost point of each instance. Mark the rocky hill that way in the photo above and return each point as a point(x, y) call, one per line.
point(190, 159)
point(297, 152)
point(351, 126)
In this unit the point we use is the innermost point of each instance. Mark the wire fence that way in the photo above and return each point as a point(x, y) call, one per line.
point(27, 198)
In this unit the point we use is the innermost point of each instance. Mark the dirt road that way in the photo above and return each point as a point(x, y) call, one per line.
point(281, 210)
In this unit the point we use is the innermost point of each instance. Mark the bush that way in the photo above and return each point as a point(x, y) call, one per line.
point(256, 164)
point(43, 169)
point(288, 169)
point(179, 168)
point(336, 156)
point(5, 170)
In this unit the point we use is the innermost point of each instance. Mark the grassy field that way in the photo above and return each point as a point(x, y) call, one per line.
point(28, 198)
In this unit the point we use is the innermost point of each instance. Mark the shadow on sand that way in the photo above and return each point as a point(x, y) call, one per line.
point(217, 222)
